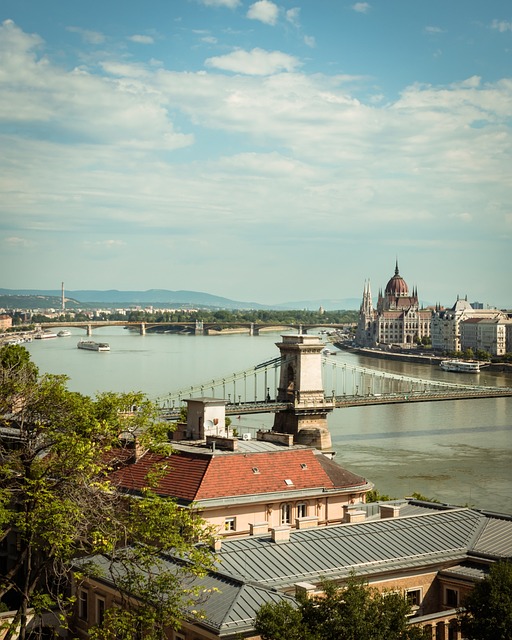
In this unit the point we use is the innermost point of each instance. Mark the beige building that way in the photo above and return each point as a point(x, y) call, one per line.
point(446, 327)
point(396, 321)
point(5, 322)
point(241, 486)
point(431, 553)
point(488, 335)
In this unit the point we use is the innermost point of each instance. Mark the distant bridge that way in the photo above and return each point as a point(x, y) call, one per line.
point(197, 327)
point(255, 390)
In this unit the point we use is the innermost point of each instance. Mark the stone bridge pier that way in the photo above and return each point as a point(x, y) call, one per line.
point(301, 386)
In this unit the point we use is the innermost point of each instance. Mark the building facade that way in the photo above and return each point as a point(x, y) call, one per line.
point(397, 320)
point(448, 335)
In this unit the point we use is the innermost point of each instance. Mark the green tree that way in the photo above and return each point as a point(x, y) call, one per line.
point(57, 448)
point(352, 612)
point(486, 613)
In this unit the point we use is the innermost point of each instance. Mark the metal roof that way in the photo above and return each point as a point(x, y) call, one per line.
point(334, 552)
point(251, 570)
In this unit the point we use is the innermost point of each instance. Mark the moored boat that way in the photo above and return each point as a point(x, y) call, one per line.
point(90, 345)
point(43, 335)
point(460, 366)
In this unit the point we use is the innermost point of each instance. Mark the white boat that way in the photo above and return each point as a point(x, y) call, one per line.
point(90, 345)
point(460, 366)
point(64, 333)
point(45, 334)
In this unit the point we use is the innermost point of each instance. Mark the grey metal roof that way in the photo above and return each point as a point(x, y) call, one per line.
point(334, 552)
point(495, 538)
point(250, 570)
point(466, 571)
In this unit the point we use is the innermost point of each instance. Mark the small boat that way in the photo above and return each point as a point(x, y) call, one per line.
point(45, 334)
point(460, 366)
point(90, 345)
point(64, 333)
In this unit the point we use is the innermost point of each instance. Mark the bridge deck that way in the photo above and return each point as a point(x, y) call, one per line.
point(242, 408)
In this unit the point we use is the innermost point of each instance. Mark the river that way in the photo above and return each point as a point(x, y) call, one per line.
point(458, 451)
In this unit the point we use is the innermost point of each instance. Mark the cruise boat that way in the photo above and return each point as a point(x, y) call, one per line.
point(45, 334)
point(460, 366)
point(90, 345)
point(64, 333)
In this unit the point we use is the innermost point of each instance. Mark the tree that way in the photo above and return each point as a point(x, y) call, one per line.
point(486, 613)
point(352, 612)
point(57, 503)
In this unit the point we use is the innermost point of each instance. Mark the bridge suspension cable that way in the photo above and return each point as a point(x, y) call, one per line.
point(260, 383)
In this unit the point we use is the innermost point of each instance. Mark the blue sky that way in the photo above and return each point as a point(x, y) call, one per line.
point(262, 151)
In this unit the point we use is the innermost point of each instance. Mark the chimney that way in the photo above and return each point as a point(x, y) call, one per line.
point(389, 511)
point(258, 528)
point(280, 534)
point(217, 545)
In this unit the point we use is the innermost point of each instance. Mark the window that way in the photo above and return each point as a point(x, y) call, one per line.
point(302, 510)
point(286, 513)
point(100, 609)
point(414, 598)
point(451, 597)
point(230, 524)
point(83, 604)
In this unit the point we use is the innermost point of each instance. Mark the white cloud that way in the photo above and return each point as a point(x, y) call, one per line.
point(501, 25)
point(310, 41)
point(16, 242)
point(141, 39)
point(361, 7)
point(433, 30)
point(293, 16)
point(265, 11)
point(90, 37)
point(256, 62)
point(98, 152)
point(230, 4)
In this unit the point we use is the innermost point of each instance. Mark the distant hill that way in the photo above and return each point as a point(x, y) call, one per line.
point(36, 298)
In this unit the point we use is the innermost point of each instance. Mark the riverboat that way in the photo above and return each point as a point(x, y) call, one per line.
point(90, 345)
point(64, 333)
point(460, 366)
point(43, 335)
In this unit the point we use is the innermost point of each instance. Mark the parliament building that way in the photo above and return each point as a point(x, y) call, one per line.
point(397, 320)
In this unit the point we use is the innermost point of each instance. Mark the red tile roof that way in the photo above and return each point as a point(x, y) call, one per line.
point(192, 476)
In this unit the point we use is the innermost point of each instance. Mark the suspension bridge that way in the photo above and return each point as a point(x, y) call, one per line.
point(259, 389)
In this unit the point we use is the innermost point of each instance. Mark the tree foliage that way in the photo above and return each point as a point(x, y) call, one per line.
point(352, 612)
point(57, 503)
point(487, 611)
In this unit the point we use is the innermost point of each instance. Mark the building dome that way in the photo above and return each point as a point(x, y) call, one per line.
point(396, 286)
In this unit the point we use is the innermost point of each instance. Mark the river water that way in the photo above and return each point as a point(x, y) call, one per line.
point(458, 451)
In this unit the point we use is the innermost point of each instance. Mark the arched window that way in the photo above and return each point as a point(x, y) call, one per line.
point(286, 513)
point(302, 510)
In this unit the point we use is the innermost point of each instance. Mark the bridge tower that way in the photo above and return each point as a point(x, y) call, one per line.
point(301, 386)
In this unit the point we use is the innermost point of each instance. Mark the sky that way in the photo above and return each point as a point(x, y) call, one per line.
point(257, 150)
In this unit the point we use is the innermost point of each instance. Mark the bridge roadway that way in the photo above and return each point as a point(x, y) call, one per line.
point(241, 408)
point(193, 326)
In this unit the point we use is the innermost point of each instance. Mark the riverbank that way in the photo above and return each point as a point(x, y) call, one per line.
point(417, 358)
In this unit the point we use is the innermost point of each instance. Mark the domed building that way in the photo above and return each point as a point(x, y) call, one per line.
point(397, 319)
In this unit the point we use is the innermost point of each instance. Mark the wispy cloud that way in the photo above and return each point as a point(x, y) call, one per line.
point(256, 62)
point(431, 30)
point(361, 7)
point(265, 11)
point(141, 39)
point(501, 25)
point(90, 37)
point(230, 4)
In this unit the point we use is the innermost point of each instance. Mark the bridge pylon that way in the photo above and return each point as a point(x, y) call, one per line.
point(301, 387)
